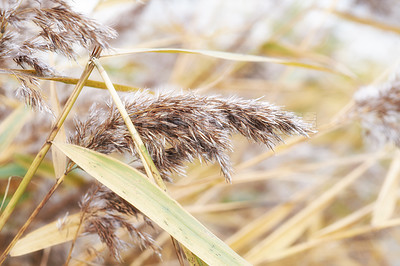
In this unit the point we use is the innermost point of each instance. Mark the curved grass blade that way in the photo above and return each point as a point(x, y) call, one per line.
point(235, 57)
point(47, 236)
point(11, 169)
point(365, 21)
point(67, 80)
point(134, 187)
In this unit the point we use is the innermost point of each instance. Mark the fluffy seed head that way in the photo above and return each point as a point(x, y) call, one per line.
point(105, 212)
point(183, 127)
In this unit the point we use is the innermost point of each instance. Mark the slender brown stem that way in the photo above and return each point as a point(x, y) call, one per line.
point(45, 148)
point(83, 216)
point(30, 219)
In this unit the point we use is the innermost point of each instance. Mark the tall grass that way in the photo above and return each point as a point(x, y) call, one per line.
point(200, 165)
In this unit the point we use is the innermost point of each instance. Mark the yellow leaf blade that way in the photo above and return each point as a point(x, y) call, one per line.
point(134, 187)
point(235, 57)
point(47, 236)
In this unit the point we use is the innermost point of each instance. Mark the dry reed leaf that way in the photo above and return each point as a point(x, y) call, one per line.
point(279, 149)
point(257, 227)
point(153, 202)
point(10, 127)
point(296, 249)
point(222, 207)
point(344, 223)
point(234, 57)
point(267, 221)
point(365, 21)
point(69, 80)
point(92, 83)
point(247, 176)
point(288, 232)
point(59, 159)
point(54, 233)
point(388, 195)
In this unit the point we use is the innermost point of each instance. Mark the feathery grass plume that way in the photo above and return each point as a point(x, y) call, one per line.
point(31, 93)
point(182, 127)
point(379, 110)
point(105, 212)
point(31, 28)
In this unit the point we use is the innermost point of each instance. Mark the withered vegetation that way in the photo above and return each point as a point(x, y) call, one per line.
point(288, 210)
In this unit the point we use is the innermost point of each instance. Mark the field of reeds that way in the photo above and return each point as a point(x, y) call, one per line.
point(199, 132)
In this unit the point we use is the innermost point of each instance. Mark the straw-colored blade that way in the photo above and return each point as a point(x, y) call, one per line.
point(134, 187)
point(91, 83)
point(345, 223)
point(10, 127)
point(67, 80)
point(385, 205)
point(366, 21)
point(55, 233)
point(236, 57)
point(291, 230)
point(59, 159)
point(313, 243)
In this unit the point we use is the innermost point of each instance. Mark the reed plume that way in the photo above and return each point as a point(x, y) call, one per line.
point(31, 29)
point(379, 109)
point(104, 212)
point(180, 128)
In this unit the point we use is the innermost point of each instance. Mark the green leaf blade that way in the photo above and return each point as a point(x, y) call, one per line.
point(134, 187)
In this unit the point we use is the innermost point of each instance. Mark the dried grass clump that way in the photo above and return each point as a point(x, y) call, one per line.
point(183, 127)
point(379, 110)
point(105, 212)
point(29, 29)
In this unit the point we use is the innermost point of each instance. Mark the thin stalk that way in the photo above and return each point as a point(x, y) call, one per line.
point(148, 163)
point(151, 169)
point(83, 216)
point(45, 148)
point(30, 219)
